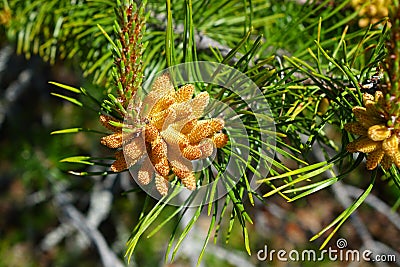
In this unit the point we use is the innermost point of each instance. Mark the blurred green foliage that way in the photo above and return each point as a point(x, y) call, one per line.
point(318, 51)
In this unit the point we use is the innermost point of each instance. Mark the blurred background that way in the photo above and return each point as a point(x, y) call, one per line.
point(52, 218)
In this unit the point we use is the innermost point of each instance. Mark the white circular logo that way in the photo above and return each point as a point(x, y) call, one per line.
point(341, 243)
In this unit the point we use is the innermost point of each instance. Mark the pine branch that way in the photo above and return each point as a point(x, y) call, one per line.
point(376, 203)
point(108, 257)
point(203, 42)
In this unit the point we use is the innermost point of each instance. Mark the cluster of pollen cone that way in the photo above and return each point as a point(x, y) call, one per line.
point(379, 141)
point(169, 135)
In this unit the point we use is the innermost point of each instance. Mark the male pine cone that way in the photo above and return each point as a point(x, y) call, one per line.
point(379, 141)
point(172, 136)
